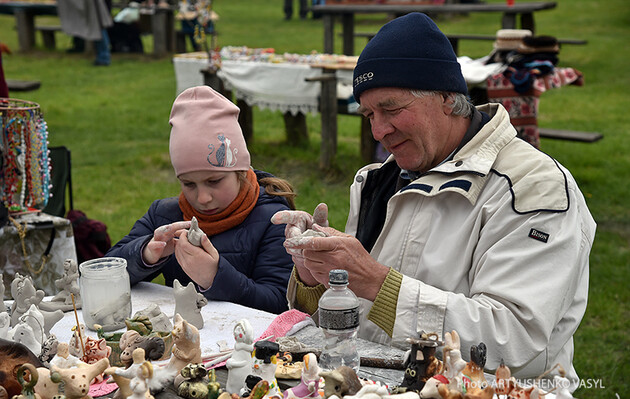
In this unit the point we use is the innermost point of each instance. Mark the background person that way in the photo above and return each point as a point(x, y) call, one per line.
point(241, 259)
point(464, 227)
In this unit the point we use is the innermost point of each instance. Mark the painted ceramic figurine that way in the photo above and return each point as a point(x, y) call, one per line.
point(139, 384)
point(340, 382)
point(421, 363)
point(13, 355)
point(186, 344)
point(76, 380)
point(188, 303)
point(309, 384)
point(240, 364)
point(265, 353)
point(198, 382)
point(64, 360)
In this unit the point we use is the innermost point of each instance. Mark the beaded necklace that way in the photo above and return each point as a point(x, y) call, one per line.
point(25, 168)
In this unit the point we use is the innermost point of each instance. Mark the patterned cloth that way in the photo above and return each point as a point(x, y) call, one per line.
point(523, 108)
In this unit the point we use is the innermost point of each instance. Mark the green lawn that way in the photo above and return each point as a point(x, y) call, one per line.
point(115, 121)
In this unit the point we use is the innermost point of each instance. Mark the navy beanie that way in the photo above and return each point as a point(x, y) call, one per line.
point(409, 52)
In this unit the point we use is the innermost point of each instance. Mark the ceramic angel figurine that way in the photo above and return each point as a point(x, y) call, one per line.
point(309, 384)
point(68, 286)
point(265, 363)
point(240, 364)
point(188, 303)
point(139, 384)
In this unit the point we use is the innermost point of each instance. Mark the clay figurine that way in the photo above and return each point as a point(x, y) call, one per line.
point(265, 362)
point(240, 364)
point(130, 340)
point(24, 295)
point(453, 362)
point(195, 233)
point(186, 344)
point(197, 381)
point(124, 377)
point(340, 382)
point(64, 360)
point(378, 391)
point(188, 303)
point(476, 381)
point(112, 315)
point(420, 362)
point(28, 385)
point(68, 286)
point(139, 384)
point(309, 384)
point(5, 325)
point(76, 380)
point(13, 355)
point(49, 349)
point(95, 350)
point(159, 320)
point(74, 346)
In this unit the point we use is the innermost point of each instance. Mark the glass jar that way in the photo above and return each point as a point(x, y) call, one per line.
point(105, 293)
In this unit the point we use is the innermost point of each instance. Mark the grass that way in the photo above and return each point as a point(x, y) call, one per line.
point(115, 121)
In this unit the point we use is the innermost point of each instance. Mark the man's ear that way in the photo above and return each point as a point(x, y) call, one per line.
point(447, 103)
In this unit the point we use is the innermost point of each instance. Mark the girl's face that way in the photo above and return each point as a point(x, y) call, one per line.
point(210, 192)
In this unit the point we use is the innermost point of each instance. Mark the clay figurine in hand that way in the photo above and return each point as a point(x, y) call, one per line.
point(265, 363)
point(13, 355)
point(341, 381)
point(309, 384)
point(186, 344)
point(240, 364)
point(420, 362)
point(68, 285)
point(188, 303)
point(195, 233)
point(76, 380)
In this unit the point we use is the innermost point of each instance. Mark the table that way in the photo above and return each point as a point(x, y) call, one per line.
point(162, 22)
point(347, 12)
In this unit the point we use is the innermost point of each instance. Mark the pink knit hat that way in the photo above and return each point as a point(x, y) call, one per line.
point(205, 133)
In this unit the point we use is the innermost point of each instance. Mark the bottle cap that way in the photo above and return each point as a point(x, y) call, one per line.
point(338, 276)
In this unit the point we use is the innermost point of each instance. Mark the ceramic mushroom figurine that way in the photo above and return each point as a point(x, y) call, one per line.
point(240, 364)
point(309, 382)
point(188, 303)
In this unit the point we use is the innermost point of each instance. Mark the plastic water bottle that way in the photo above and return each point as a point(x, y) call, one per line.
point(339, 320)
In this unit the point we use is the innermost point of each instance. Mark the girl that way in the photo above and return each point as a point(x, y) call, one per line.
point(241, 258)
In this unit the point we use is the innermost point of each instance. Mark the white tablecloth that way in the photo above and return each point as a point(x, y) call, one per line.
point(219, 317)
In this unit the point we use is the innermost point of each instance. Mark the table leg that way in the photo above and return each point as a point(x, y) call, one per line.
point(25, 24)
point(347, 21)
point(329, 33)
point(527, 22)
point(163, 30)
point(508, 21)
point(329, 120)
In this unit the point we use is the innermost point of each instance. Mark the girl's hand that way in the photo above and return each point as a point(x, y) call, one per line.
point(199, 263)
point(163, 242)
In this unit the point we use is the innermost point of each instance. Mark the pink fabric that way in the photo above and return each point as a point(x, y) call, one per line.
point(205, 133)
point(102, 389)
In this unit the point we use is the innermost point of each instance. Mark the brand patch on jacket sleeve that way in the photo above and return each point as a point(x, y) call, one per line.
point(538, 235)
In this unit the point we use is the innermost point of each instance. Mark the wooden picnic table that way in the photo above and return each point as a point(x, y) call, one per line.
point(162, 23)
point(524, 10)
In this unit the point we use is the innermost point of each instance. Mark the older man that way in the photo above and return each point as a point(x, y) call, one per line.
point(465, 227)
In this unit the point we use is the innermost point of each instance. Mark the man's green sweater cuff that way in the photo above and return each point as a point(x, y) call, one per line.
point(307, 298)
point(383, 312)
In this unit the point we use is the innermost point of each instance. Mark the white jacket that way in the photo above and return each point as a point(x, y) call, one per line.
point(493, 244)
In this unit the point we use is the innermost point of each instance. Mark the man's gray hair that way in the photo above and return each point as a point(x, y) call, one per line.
point(460, 106)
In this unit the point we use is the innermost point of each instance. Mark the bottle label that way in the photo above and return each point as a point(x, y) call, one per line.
point(342, 319)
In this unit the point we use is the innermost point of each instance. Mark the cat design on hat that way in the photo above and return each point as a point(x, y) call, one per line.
point(226, 157)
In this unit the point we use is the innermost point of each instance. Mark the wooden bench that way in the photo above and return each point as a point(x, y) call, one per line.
point(455, 38)
point(572, 135)
point(48, 35)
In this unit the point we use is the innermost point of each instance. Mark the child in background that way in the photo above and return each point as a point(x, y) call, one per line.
point(241, 258)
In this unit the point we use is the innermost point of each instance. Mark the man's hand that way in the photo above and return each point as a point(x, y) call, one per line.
point(163, 242)
point(297, 223)
point(199, 263)
point(340, 251)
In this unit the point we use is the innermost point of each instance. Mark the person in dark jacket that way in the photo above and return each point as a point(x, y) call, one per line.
point(241, 258)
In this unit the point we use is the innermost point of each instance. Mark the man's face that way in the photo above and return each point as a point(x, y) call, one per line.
point(417, 131)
